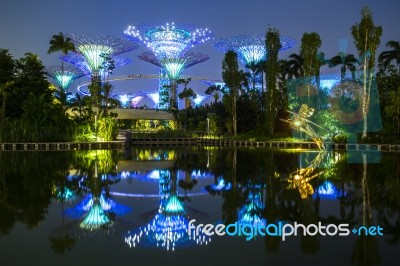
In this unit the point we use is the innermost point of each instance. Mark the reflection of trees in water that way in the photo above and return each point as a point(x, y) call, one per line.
point(27, 180)
point(96, 215)
point(361, 189)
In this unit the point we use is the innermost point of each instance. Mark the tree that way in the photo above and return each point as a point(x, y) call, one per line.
point(273, 45)
point(295, 68)
point(60, 43)
point(347, 61)
point(108, 66)
point(36, 113)
point(29, 78)
point(7, 69)
point(366, 39)
point(256, 69)
point(393, 109)
point(387, 57)
point(310, 44)
point(187, 94)
point(232, 78)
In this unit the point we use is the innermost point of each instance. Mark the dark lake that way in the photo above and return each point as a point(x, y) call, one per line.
point(134, 207)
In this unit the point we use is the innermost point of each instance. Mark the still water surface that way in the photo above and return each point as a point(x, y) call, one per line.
point(133, 208)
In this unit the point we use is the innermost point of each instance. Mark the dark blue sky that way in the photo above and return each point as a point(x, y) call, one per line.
point(27, 26)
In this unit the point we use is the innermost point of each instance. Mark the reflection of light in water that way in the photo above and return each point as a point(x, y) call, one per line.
point(95, 218)
point(155, 174)
point(174, 205)
point(221, 185)
point(125, 174)
point(197, 174)
point(328, 190)
point(168, 228)
point(65, 193)
point(250, 214)
point(88, 203)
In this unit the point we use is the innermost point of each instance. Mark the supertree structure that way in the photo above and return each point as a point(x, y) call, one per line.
point(64, 76)
point(251, 51)
point(80, 61)
point(169, 45)
point(172, 68)
point(95, 48)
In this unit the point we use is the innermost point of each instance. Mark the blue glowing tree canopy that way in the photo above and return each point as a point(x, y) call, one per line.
point(174, 66)
point(64, 76)
point(80, 61)
point(169, 40)
point(93, 48)
point(250, 48)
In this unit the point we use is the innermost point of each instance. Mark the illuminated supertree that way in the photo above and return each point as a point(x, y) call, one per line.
point(81, 62)
point(172, 68)
point(169, 227)
point(169, 45)
point(64, 76)
point(251, 51)
point(95, 48)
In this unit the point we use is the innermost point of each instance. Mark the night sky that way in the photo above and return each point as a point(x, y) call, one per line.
point(27, 26)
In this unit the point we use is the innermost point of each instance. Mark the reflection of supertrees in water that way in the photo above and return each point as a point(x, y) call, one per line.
point(94, 48)
point(219, 185)
point(169, 45)
point(327, 190)
point(64, 76)
point(251, 212)
point(251, 51)
point(97, 211)
point(169, 227)
point(64, 193)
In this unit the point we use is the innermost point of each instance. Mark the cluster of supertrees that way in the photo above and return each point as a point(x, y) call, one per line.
point(91, 56)
point(251, 52)
point(169, 48)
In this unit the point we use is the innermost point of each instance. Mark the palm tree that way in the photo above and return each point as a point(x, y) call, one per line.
point(60, 43)
point(215, 88)
point(256, 68)
point(187, 94)
point(387, 57)
point(347, 61)
point(295, 64)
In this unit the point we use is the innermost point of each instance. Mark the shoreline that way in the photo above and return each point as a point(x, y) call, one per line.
point(62, 146)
